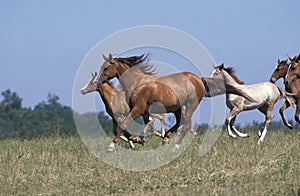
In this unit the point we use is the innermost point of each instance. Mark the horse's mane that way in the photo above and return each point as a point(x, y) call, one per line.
point(142, 63)
point(231, 72)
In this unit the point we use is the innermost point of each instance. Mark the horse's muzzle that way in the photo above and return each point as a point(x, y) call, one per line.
point(287, 83)
point(273, 80)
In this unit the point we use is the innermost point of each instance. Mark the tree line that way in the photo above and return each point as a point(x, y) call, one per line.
point(50, 118)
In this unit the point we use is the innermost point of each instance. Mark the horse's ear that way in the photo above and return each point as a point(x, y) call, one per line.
point(213, 65)
point(297, 57)
point(278, 61)
point(92, 74)
point(222, 66)
point(290, 58)
point(105, 57)
point(96, 73)
point(110, 57)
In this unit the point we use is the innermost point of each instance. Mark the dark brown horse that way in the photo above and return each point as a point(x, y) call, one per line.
point(159, 94)
point(294, 88)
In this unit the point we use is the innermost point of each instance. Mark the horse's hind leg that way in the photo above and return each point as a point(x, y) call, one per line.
point(174, 128)
point(284, 107)
point(162, 122)
point(296, 116)
point(187, 124)
point(240, 134)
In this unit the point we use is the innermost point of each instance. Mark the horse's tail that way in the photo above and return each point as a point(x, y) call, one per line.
point(289, 97)
point(216, 86)
point(213, 87)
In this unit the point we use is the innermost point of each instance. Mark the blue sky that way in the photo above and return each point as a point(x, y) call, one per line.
point(42, 43)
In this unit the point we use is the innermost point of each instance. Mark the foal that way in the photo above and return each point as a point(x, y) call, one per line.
point(117, 107)
point(280, 72)
point(265, 94)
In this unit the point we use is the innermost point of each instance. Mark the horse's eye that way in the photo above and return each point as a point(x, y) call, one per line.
point(277, 69)
point(105, 68)
point(112, 62)
point(293, 68)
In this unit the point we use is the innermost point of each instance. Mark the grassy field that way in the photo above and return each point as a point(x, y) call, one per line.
point(56, 166)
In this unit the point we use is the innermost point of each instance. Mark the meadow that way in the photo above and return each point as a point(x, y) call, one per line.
point(63, 165)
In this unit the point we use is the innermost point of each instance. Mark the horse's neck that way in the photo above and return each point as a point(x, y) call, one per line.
point(129, 79)
point(295, 86)
point(106, 92)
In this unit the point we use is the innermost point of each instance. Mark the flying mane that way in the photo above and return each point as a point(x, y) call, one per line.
point(231, 72)
point(142, 63)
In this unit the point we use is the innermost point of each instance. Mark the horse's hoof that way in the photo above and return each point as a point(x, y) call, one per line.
point(111, 147)
point(140, 140)
point(165, 141)
point(177, 146)
point(289, 126)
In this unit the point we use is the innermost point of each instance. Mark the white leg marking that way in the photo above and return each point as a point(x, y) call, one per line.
point(177, 146)
point(230, 132)
point(261, 139)
point(111, 147)
point(124, 138)
point(239, 133)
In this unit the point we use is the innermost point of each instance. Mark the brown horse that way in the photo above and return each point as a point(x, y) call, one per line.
point(117, 107)
point(293, 70)
point(160, 94)
point(294, 88)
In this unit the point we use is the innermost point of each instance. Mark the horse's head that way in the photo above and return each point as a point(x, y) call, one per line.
point(217, 72)
point(280, 70)
point(108, 70)
point(293, 70)
point(115, 67)
point(91, 86)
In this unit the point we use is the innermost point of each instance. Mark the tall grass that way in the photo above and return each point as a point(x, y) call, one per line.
point(55, 166)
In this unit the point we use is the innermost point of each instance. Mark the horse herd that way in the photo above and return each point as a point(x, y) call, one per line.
point(143, 93)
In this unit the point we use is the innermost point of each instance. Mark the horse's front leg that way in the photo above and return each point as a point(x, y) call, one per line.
point(269, 117)
point(228, 123)
point(126, 134)
point(240, 134)
point(131, 116)
point(296, 116)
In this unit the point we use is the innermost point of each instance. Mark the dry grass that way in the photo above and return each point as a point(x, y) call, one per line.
point(56, 166)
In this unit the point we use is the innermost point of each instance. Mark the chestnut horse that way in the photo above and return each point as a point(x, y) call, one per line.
point(160, 94)
point(117, 107)
point(280, 72)
point(265, 94)
point(293, 70)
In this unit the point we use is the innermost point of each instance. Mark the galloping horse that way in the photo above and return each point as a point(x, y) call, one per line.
point(265, 94)
point(117, 107)
point(280, 72)
point(159, 94)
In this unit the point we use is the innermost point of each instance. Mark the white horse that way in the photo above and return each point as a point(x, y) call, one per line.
point(264, 94)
